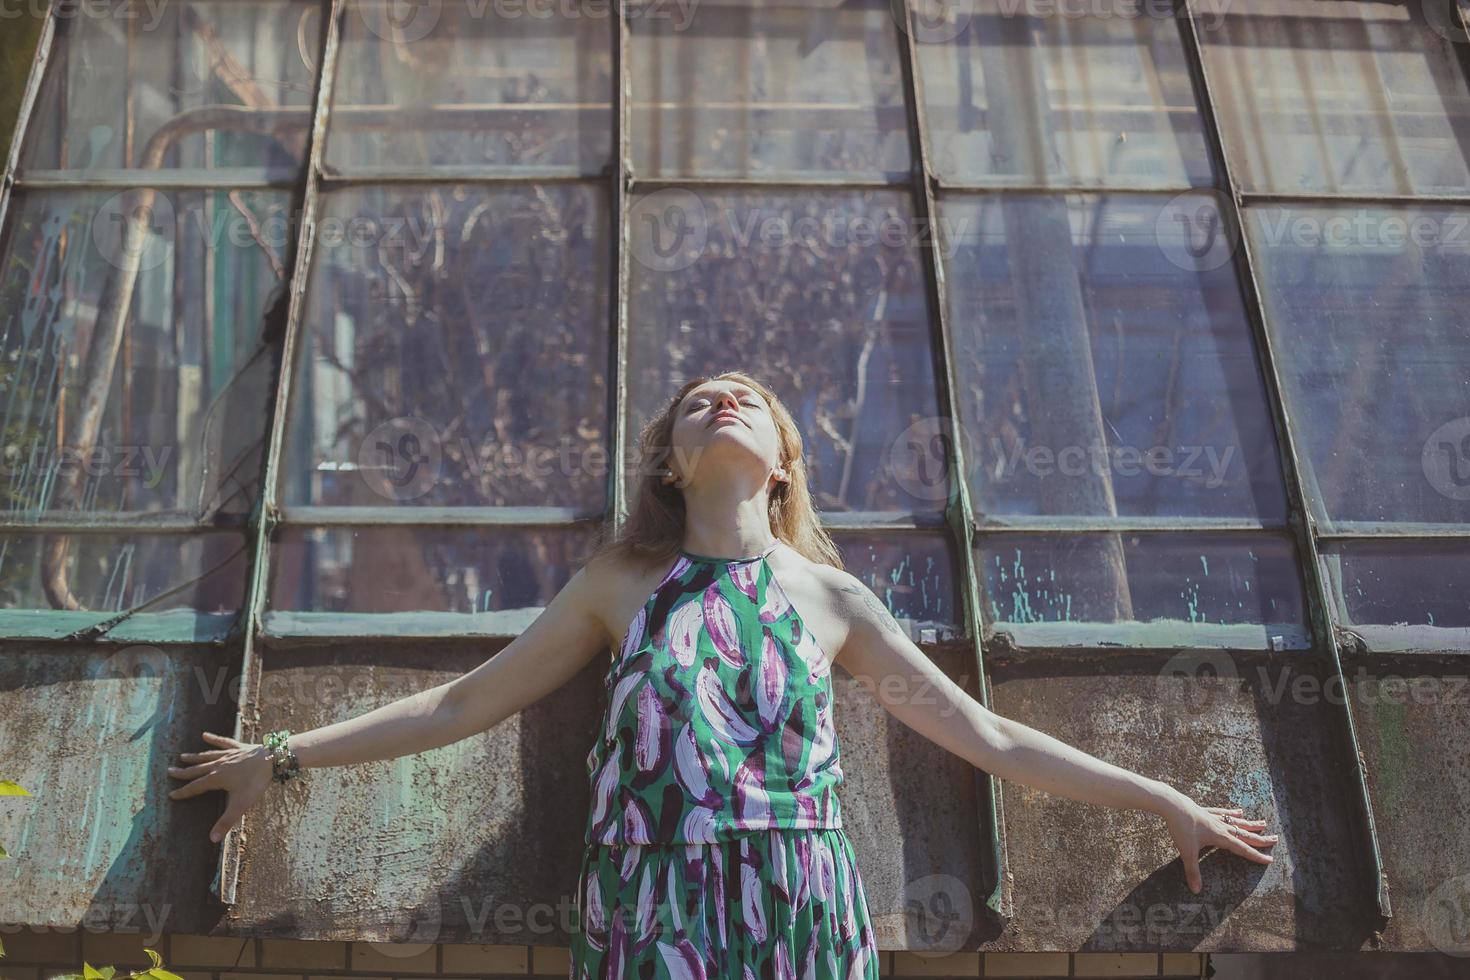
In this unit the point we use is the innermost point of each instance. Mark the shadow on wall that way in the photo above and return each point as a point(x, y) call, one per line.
point(22, 28)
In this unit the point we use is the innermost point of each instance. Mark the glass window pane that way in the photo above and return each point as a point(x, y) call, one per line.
point(1169, 580)
point(1075, 100)
point(820, 295)
point(1340, 97)
point(107, 573)
point(194, 84)
point(914, 573)
point(1105, 363)
point(767, 89)
point(1371, 310)
point(489, 87)
point(392, 569)
point(455, 349)
point(1413, 592)
point(150, 305)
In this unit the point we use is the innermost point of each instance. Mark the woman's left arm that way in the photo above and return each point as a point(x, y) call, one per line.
point(879, 654)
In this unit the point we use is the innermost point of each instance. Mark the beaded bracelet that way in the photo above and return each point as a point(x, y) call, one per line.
point(284, 765)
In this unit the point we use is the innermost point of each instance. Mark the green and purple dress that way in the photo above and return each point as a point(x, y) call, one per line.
point(714, 843)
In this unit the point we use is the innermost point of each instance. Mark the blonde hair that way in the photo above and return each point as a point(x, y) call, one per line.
point(654, 531)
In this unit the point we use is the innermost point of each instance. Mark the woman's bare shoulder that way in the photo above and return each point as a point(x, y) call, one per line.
point(619, 584)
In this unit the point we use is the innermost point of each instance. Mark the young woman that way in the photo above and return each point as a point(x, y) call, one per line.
point(714, 844)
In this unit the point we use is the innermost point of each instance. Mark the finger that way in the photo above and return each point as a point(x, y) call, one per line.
point(1191, 870)
point(223, 824)
point(1260, 840)
point(1246, 851)
point(1224, 809)
point(201, 785)
point(220, 739)
point(202, 756)
point(192, 772)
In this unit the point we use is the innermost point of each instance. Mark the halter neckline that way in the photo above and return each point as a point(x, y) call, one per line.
point(726, 561)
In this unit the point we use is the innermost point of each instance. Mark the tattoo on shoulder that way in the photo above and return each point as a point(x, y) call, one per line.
point(874, 606)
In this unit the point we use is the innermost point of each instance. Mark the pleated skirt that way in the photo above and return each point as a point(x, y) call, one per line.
point(766, 905)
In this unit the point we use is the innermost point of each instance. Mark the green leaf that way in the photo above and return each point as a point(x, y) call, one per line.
point(153, 955)
point(159, 973)
point(3, 852)
point(8, 788)
point(89, 972)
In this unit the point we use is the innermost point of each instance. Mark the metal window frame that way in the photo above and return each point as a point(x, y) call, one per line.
point(960, 518)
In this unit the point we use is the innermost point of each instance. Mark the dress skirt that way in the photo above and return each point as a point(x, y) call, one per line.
point(771, 904)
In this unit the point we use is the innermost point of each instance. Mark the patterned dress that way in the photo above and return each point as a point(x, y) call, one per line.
point(714, 843)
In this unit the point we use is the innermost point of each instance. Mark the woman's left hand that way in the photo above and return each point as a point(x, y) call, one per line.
point(1194, 827)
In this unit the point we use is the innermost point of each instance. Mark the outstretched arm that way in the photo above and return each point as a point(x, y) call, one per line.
point(561, 640)
point(879, 654)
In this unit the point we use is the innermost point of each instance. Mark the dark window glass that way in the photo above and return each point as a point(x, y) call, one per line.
point(396, 569)
point(913, 574)
point(1074, 100)
point(455, 350)
point(150, 307)
point(1415, 588)
point(1370, 308)
point(1341, 97)
point(818, 294)
point(107, 573)
point(219, 86)
point(487, 87)
point(1105, 363)
point(767, 89)
point(1189, 582)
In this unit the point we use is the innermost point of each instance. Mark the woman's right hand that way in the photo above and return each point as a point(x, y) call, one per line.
point(241, 769)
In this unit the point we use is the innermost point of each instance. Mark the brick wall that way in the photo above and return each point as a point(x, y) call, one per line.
point(39, 955)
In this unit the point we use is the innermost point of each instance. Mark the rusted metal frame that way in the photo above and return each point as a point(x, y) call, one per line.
point(621, 181)
point(1060, 189)
point(784, 182)
point(1082, 524)
point(1399, 532)
point(351, 516)
point(184, 178)
point(41, 58)
point(1300, 514)
point(959, 511)
point(264, 515)
point(1319, 197)
point(151, 522)
point(454, 175)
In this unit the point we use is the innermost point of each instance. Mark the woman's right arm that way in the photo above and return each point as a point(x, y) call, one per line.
point(557, 644)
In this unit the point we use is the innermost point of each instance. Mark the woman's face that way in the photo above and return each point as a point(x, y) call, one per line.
point(722, 427)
